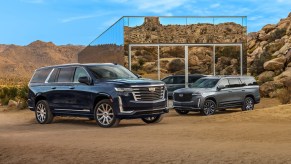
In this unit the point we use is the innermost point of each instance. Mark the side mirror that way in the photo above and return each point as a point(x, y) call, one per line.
point(138, 76)
point(85, 80)
point(220, 87)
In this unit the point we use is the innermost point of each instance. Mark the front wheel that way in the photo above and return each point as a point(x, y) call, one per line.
point(43, 112)
point(104, 114)
point(209, 108)
point(153, 119)
point(248, 104)
point(182, 112)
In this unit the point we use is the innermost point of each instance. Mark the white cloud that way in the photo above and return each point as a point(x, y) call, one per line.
point(216, 5)
point(71, 19)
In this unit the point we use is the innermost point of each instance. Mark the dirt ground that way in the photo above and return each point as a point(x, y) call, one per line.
point(232, 136)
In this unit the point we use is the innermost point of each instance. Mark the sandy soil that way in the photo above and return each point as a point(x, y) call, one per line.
point(259, 136)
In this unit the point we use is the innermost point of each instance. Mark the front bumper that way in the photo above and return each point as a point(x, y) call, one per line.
point(194, 105)
point(137, 109)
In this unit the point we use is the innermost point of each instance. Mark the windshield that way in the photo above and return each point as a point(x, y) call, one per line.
point(111, 72)
point(205, 83)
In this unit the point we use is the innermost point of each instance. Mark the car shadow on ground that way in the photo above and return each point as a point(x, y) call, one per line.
point(198, 114)
point(92, 123)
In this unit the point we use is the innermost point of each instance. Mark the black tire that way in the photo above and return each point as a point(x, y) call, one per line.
point(209, 108)
point(181, 111)
point(43, 112)
point(104, 114)
point(249, 104)
point(153, 119)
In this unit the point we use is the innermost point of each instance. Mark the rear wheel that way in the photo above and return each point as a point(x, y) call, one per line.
point(153, 119)
point(248, 104)
point(182, 112)
point(209, 108)
point(43, 113)
point(104, 114)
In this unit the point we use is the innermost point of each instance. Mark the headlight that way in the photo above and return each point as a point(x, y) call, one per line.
point(196, 94)
point(123, 89)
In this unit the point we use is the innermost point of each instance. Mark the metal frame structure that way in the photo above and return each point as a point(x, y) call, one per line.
point(186, 45)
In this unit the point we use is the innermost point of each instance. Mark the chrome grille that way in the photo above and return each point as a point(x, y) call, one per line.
point(148, 93)
point(182, 97)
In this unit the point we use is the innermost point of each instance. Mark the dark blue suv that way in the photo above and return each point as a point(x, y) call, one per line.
point(104, 92)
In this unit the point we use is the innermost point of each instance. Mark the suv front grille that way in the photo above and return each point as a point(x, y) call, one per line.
point(150, 93)
point(182, 97)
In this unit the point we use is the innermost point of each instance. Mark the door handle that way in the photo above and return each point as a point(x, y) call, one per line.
point(243, 90)
point(72, 87)
point(53, 87)
point(229, 91)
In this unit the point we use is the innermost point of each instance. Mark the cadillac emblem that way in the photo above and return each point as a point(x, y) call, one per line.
point(180, 95)
point(152, 89)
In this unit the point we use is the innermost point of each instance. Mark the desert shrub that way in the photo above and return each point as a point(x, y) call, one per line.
point(277, 34)
point(135, 67)
point(141, 62)
point(17, 93)
point(284, 95)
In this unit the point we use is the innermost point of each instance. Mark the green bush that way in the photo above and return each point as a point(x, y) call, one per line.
point(277, 34)
point(17, 93)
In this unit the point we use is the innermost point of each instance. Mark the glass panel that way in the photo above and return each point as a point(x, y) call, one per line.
point(108, 47)
point(144, 61)
point(229, 30)
point(200, 60)
point(172, 61)
point(227, 60)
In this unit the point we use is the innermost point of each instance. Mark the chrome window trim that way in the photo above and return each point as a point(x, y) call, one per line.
point(48, 77)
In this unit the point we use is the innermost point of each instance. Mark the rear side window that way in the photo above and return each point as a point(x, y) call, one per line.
point(193, 79)
point(40, 75)
point(234, 82)
point(249, 81)
point(179, 80)
point(66, 74)
point(53, 76)
point(224, 82)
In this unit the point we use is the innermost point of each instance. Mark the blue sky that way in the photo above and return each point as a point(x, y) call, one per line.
point(81, 21)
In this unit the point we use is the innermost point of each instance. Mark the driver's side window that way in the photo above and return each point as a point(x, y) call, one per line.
point(80, 72)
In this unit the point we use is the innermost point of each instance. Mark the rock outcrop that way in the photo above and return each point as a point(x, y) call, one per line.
point(269, 54)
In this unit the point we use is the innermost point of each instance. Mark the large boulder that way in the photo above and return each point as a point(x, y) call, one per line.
point(284, 75)
point(257, 52)
point(269, 27)
point(266, 76)
point(12, 103)
point(269, 88)
point(285, 48)
point(275, 64)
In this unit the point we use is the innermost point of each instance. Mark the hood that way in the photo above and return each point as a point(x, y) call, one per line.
point(192, 90)
point(129, 82)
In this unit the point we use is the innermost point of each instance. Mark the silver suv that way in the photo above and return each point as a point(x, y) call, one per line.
point(209, 94)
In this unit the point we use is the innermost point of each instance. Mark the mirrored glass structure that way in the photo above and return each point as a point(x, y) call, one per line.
point(156, 47)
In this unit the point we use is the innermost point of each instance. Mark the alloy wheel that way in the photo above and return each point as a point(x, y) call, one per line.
point(104, 114)
point(41, 112)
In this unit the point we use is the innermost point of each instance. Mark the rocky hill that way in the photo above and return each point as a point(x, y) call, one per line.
point(21, 61)
point(269, 56)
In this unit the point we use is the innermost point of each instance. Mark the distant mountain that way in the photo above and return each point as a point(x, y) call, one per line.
point(21, 61)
